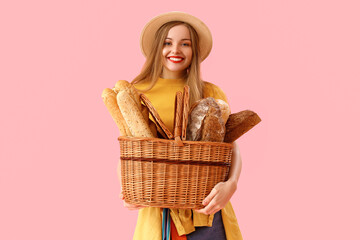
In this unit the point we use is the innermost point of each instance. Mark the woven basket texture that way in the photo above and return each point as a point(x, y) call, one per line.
point(159, 173)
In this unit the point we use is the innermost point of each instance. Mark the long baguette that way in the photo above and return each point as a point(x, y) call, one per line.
point(132, 115)
point(109, 98)
point(130, 89)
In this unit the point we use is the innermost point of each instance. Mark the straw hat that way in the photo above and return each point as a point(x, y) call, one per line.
point(148, 33)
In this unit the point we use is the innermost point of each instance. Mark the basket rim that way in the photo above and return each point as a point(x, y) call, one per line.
point(128, 138)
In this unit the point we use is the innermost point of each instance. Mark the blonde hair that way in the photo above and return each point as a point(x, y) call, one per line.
point(153, 65)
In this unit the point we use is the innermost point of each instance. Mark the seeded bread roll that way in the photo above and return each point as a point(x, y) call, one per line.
point(131, 90)
point(239, 123)
point(205, 121)
point(132, 115)
point(109, 98)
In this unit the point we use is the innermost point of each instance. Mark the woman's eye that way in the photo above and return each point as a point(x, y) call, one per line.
point(167, 43)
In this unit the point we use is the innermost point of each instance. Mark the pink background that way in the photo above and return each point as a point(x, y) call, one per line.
point(295, 63)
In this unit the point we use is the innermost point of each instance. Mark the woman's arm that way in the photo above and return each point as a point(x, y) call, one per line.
point(223, 191)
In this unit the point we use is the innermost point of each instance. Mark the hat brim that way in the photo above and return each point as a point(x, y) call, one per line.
point(148, 33)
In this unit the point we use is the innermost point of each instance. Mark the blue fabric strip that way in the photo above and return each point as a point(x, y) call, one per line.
point(163, 224)
point(166, 224)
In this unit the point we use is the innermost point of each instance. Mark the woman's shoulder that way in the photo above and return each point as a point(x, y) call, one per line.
point(141, 84)
point(212, 90)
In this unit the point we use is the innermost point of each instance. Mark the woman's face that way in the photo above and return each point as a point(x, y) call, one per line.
point(177, 52)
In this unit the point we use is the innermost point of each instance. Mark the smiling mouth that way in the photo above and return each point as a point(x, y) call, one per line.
point(175, 59)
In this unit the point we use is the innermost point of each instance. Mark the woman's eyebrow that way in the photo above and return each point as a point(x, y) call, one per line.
point(181, 39)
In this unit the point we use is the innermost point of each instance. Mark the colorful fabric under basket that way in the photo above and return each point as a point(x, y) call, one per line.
point(160, 173)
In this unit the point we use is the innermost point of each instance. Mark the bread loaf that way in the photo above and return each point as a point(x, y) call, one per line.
point(130, 89)
point(196, 116)
point(109, 98)
point(132, 115)
point(225, 109)
point(239, 123)
point(205, 121)
point(214, 126)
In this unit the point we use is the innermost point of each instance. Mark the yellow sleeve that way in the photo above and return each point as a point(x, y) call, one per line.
point(211, 90)
point(148, 226)
point(230, 222)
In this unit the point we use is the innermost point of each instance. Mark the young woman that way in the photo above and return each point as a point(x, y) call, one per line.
point(174, 45)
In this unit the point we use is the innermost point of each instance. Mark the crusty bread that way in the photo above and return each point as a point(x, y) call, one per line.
point(197, 114)
point(109, 98)
point(205, 121)
point(225, 109)
point(132, 115)
point(239, 123)
point(130, 89)
point(214, 126)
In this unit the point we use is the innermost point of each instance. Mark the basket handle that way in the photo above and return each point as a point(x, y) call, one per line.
point(156, 116)
point(178, 118)
point(185, 111)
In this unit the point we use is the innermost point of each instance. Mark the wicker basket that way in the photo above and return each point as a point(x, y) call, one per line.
point(159, 173)
point(171, 173)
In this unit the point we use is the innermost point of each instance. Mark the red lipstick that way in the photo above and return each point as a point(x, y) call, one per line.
point(176, 59)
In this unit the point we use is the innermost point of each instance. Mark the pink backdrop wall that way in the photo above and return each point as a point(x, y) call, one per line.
point(296, 63)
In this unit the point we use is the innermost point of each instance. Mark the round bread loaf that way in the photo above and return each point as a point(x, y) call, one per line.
point(225, 109)
point(205, 122)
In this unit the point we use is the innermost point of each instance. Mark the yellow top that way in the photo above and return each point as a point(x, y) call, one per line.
point(148, 226)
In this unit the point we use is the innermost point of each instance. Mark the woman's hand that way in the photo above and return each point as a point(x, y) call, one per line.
point(130, 206)
point(223, 191)
point(218, 197)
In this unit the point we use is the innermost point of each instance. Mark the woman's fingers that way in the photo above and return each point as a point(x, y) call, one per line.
point(212, 194)
point(121, 196)
point(217, 198)
point(210, 202)
point(129, 205)
point(209, 209)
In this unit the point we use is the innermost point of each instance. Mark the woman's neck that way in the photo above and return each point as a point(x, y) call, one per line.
point(172, 75)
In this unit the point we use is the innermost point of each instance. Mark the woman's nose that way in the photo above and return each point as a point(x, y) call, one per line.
point(175, 48)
